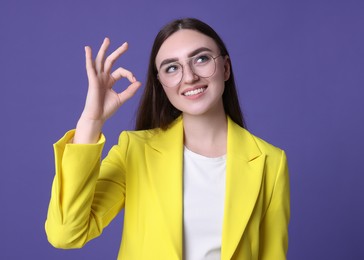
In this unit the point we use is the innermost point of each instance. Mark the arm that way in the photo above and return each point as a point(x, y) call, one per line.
point(274, 226)
point(84, 197)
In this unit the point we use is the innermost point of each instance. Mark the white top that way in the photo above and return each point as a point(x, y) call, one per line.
point(203, 205)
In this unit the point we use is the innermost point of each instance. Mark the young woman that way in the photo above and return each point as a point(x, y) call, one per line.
point(194, 183)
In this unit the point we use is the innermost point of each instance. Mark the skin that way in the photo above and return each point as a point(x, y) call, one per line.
point(205, 125)
point(102, 101)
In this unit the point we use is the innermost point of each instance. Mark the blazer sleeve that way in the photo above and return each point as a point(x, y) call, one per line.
point(274, 225)
point(86, 195)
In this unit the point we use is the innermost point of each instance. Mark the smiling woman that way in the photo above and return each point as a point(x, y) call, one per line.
point(197, 87)
point(195, 184)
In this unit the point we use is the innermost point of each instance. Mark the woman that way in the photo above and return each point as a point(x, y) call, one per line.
point(194, 183)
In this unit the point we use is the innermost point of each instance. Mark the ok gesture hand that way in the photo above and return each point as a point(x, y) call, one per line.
point(102, 101)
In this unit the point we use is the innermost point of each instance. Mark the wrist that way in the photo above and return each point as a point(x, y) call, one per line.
point(87, 131)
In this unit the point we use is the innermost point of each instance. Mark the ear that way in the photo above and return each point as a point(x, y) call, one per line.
point(227, 68)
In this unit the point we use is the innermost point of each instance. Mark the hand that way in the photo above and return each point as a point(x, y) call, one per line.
point(102, 101)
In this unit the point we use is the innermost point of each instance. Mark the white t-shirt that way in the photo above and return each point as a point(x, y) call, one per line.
point(203, 205)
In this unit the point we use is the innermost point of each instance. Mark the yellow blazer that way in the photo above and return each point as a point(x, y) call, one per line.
point(143, 174)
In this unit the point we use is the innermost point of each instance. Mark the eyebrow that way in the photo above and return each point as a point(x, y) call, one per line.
point(191, 54)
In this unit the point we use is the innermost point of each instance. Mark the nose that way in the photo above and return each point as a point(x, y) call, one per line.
point(189, 75)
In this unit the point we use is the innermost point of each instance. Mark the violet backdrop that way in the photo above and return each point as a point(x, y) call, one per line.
point(299, 69)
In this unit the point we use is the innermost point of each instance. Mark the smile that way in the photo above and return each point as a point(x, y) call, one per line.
point(194, 92)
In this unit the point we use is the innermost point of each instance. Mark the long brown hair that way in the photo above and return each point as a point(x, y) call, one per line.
point(155, 110)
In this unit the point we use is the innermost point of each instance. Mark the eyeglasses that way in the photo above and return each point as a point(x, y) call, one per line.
point(203, 65)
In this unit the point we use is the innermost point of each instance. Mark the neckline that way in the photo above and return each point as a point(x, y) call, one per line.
point(203, 157)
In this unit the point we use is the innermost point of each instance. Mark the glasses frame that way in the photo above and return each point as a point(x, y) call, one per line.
point(188, 61)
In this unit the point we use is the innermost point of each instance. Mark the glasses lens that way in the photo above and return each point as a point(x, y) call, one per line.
point(203, 65)
point(170, 74)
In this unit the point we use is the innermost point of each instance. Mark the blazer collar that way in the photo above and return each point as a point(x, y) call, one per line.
point(244, 171)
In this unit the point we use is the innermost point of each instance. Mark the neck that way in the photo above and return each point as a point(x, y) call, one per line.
point(206, 134)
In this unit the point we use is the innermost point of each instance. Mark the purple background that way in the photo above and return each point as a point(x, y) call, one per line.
point(299, 69)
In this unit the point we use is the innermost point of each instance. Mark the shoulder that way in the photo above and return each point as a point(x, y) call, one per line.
point(275, 158)
point(249, 140)
point(157, 135)
point(251, 146)
point(131, 143)
point(266, 147)
point(140, 136)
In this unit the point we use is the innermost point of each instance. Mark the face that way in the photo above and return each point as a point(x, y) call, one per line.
point(197, 93)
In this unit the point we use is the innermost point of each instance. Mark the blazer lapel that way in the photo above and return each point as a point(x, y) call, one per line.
point(164, 158)
point(244, 171)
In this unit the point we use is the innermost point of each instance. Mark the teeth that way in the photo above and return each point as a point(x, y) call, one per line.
point(194, 92)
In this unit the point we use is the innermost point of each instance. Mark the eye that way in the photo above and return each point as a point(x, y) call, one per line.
point(201, 59)
point(171, 68)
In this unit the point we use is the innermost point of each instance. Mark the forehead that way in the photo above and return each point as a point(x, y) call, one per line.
point(180, 44)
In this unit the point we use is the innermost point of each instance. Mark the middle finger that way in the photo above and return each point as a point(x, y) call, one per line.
point(99, 61)
point(110, 60)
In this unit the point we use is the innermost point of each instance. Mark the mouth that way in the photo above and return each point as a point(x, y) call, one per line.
point(195, 91)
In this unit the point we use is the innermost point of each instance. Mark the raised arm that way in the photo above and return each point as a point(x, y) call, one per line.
point(85, 197)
